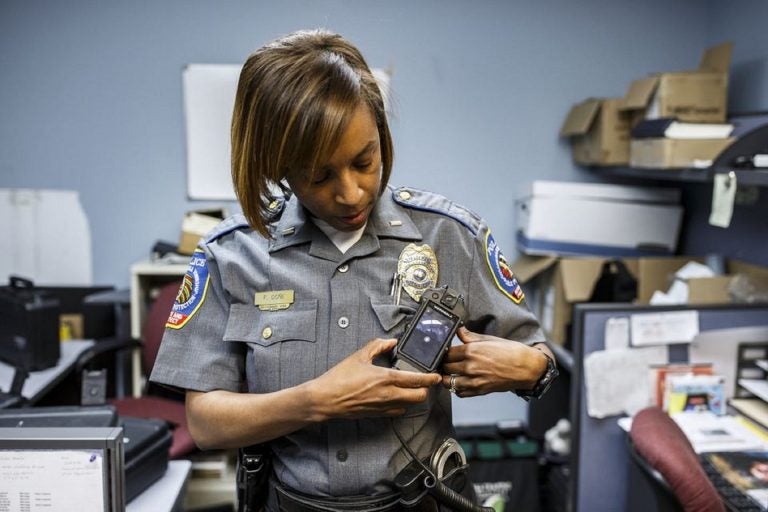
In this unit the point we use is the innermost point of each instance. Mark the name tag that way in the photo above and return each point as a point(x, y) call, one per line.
point(273, 300)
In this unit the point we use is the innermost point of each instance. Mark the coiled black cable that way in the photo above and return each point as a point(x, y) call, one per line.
point(444, 494)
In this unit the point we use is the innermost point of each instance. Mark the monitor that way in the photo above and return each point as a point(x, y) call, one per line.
point(63, 469)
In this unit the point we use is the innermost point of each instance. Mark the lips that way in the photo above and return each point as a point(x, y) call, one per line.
point(356, 219)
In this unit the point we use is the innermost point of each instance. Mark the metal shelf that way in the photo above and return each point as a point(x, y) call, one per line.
point(748, 144)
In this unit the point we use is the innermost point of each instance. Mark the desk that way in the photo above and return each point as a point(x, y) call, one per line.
point(41, 382)
point(165, 494)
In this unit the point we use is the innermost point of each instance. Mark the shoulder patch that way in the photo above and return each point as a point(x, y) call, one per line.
point(192, 293)
point(435, 203)
point(502, 274)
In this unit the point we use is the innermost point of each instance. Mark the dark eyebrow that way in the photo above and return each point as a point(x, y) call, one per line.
point(368, 148)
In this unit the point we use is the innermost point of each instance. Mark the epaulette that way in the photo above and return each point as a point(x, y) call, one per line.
point(435, 203)
point(227, 226)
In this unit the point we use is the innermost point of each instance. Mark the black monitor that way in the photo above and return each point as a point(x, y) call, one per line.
point(65, 469)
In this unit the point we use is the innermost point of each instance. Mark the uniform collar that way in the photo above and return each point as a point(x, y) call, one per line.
point(388, 220)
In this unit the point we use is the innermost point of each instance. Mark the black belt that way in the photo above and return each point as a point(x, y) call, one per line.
point(291, 500)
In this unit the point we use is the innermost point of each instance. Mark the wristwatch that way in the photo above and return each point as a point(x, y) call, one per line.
point(542, 385)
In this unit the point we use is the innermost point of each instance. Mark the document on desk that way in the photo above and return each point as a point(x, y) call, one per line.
point(709, 432)
point(618, 380)
point(43, 480)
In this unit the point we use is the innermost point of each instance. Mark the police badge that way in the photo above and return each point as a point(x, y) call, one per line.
point(417, 269)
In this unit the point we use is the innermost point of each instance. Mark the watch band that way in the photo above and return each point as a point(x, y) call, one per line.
point(544, 382)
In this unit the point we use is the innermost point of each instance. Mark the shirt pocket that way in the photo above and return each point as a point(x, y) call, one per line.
point(391, 317)
point(282, 344)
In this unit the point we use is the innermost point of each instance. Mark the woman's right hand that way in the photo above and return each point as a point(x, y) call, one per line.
point(356, 388)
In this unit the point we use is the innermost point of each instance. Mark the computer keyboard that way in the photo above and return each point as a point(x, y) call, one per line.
point(729, 473)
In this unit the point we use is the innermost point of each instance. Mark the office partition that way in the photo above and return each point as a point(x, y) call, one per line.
point(599, 458)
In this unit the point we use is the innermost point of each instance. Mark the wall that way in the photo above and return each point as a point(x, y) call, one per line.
point(90, 93)
point(747, 236)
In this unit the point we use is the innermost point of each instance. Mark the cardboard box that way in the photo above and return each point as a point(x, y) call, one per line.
point(675, 153)
point(599, 132)
point(195, 225)
point(564, 218)
point(554, 284)
point(698, 96)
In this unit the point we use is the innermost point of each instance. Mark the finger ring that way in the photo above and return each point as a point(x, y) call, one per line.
point(452, 387)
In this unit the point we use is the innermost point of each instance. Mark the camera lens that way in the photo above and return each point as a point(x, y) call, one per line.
point(449, 300)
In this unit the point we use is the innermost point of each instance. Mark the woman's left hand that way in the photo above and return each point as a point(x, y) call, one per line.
point(484, 364)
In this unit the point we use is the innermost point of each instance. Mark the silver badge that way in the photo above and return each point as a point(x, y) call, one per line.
point(417, 268)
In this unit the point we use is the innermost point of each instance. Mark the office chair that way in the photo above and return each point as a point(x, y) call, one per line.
point(151, 404)
point(154, 402)
point(13, 397)
point(665, 473)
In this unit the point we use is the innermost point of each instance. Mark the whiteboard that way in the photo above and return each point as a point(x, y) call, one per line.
point(209, 97)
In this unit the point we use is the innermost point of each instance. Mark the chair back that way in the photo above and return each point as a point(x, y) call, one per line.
point(664, 446)
point(154, 324)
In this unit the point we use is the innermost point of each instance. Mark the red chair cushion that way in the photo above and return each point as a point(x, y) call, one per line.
point(661, 442)
point(170, 411)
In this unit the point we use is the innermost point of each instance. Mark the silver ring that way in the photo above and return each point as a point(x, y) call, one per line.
point(452, 387)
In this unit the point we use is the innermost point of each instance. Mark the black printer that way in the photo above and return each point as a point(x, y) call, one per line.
point(29, 326)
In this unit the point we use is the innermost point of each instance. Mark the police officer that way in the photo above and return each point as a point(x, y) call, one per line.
point(284, 325)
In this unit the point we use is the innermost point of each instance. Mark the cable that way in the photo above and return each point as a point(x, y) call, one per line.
point(442, 492)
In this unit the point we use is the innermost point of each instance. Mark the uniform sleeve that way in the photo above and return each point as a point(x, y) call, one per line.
point(496, 301)
point(193, 354)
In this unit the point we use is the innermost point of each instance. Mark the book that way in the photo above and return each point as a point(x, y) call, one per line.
point(660, 372)
point(695, 393)
point(670, 128)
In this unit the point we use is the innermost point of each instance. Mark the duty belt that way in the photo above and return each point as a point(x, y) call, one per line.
point(291, 500)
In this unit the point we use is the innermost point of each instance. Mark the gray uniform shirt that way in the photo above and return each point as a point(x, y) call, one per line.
point(218, 338)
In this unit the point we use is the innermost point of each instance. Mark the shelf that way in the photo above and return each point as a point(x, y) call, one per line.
point(754, 177)
point(750, 143)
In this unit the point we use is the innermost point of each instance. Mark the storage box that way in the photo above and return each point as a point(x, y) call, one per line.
point(599, 132)
point(675, 153)
point(598, 219)
point(696, 96)
point(195, 225)
point(554, 284)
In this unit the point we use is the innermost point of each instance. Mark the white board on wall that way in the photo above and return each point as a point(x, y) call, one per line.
point(209, 95)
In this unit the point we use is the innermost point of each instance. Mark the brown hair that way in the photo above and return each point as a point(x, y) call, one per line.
point(294, 100)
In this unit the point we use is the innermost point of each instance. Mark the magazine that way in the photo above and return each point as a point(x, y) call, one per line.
point(745, 471)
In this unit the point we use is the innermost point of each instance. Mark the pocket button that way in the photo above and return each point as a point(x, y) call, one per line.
point(343, 322)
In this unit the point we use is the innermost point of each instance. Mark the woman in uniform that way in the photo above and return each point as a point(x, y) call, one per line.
point(284, 329)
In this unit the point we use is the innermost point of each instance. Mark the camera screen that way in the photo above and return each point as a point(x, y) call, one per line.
point(427, 338)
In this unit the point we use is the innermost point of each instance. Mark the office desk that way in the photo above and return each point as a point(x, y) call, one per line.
point(165, 494)
point(41, 382)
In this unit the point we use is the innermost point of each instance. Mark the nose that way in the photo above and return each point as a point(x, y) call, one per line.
point(348, 191)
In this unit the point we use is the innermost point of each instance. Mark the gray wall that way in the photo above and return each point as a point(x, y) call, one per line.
point(90, 92)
